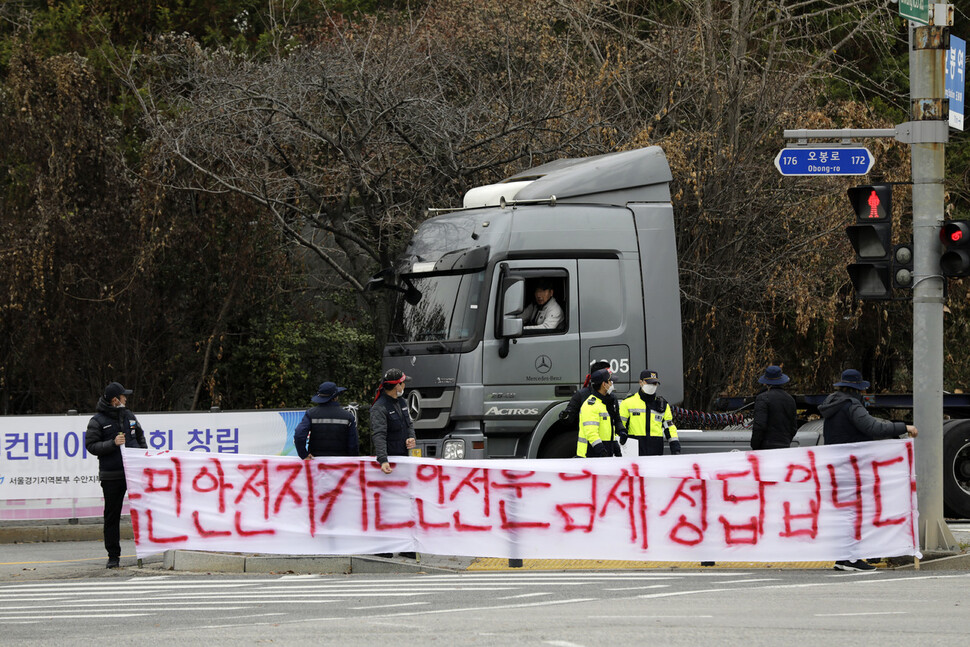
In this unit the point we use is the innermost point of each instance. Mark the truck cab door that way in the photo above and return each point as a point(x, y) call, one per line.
point(526, 370)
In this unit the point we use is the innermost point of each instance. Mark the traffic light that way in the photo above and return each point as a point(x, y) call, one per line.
point(871, 238)
point(955, 236)
point(903, 266)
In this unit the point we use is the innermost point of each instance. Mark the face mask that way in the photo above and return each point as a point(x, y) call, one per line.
point(649, 389)
point(609, 389)
point(399, 392)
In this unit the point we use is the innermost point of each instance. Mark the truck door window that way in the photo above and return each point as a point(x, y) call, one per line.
point(547, 311)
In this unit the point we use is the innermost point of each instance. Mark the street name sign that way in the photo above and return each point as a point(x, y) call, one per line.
point(833, 160)
point(915, 10)
point(955, 80)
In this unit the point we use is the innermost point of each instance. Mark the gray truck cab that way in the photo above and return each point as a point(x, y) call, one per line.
point(482, 382)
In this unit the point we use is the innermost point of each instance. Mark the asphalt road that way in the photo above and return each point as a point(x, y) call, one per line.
point(755, 607)
point(61, 594)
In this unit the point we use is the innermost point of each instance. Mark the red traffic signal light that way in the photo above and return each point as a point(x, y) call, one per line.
point(955, 236)
point(872, 202)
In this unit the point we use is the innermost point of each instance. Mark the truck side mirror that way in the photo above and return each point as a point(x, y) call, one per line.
point(513, 302)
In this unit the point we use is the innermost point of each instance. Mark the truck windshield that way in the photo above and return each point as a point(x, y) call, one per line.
point(448, 309)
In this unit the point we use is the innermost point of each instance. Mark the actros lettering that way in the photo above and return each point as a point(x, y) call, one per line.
point(495, 411)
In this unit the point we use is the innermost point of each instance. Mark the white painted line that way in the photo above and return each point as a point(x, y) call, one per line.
point(386, 606)
point(864, 613)
point(766, 579)
point(641, 617)
point(671, 594)
point(640, 588)
point(561, 643)
point(85, 616)
point(524, 595)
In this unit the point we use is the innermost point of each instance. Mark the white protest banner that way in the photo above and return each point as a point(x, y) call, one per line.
point(818, 503)
point(44, 457)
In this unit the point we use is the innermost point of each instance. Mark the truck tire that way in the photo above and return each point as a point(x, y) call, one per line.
point(956, 468)
point(562, 445)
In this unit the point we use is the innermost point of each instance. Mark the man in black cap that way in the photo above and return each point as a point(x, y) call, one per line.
point(774, 412)
point(597, 436)
point(648, 418)
point(332, 430)
point(110, 428)
point(846, 420)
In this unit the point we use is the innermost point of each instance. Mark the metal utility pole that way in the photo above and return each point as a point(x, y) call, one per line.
point(927, 49)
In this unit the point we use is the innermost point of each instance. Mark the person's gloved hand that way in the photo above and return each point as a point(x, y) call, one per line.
point(617, 450)
point(599, 450)
point(623, 437)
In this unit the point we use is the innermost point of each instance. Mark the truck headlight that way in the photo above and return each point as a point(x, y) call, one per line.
point(453, 449)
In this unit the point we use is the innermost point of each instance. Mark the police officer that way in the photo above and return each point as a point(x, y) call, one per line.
point(390, 424)
point(596, 433)
point(112, 427)
point(332, 430)
point(647, 418)
point(570, 415)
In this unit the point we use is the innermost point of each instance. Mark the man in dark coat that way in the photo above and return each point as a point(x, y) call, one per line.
point(774, 412)
point(111, 427)
point(330, 429)
point(846, 420)
point(570, 415)
point(390, 425)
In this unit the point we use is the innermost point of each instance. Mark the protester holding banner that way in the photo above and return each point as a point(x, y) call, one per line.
point(846, 420)
point(596, 433)
point(390, 425)
point(647, 418)
point(327, 429)
point(774, 412)
point(111, 427)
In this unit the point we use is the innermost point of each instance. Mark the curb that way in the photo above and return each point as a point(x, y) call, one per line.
point(206, 562)
point(59, 532)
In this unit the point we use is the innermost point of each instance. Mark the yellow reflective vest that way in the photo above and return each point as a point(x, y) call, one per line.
point(641, 420)
point(595, 425)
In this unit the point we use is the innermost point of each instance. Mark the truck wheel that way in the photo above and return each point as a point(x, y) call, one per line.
point(561, 446)
point(956, 468)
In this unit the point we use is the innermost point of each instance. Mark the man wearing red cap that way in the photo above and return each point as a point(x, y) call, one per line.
point(110, 428)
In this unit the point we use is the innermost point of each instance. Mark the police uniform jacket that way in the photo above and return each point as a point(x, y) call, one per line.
point(570, 415)
point(774, 420)
point(99, 439)
point(330, 429)
point(648, 419)
point(595, 428)
point(390, 427)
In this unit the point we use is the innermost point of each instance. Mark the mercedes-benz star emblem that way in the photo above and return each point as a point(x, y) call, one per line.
point(543, 364)
point(414, 405)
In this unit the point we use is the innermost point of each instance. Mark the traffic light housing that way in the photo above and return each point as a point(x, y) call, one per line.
point(902, 266)
point(871, 237)
point(955, 236)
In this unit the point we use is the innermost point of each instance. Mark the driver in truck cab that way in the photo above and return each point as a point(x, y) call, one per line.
point(596, 437)
point(545, 313)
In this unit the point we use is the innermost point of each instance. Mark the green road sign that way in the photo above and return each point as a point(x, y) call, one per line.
point(915, 10)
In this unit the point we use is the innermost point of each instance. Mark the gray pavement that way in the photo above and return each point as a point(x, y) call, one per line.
point(62, 550)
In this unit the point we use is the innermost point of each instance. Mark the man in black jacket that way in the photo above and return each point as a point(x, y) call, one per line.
point(390, 425)
point(774, 412)
point(110, 428)
point(327, 429)
point(570, 415)
point(846, 420)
